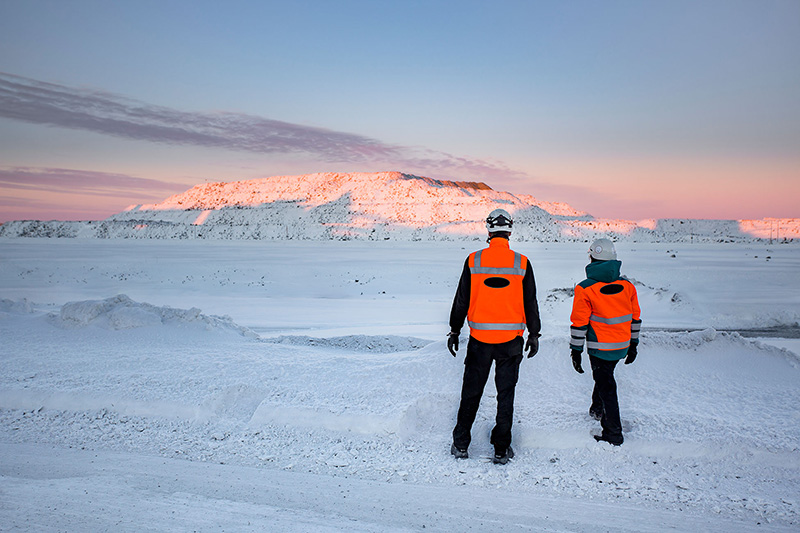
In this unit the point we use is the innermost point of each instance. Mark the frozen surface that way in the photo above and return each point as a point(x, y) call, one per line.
point(306, 386)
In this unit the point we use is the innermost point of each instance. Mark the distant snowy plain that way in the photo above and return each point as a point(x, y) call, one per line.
point(306, 386)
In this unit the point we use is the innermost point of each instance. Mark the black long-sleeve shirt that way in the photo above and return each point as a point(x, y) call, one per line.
point(461, 301)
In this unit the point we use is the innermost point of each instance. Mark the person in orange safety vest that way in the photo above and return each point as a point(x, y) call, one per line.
point(606, 316)
point(497, 296)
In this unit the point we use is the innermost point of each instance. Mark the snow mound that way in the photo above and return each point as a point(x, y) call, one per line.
point(235, 402)
point(356, 343)
point(320, 418)
point(698, 340)
point(120, 312)
point(691, 340)
point(428, 414)
point(16, 307)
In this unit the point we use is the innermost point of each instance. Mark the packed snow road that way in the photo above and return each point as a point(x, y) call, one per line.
point(306, 386)
point(78, 490)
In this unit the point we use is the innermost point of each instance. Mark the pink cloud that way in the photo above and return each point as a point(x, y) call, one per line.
point(51, 104)
point(85, 182)
point(67, 194)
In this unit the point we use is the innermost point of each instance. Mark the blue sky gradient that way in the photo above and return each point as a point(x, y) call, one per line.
point(625, 109)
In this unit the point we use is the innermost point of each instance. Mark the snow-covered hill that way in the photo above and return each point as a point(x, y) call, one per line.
point(379, 206)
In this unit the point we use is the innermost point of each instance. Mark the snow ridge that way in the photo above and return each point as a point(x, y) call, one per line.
point(380, 206)
point(387, 344)
point(120, 312)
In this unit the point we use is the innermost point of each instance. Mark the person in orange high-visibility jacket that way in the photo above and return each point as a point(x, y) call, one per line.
point(497, 296)
point(606, 316)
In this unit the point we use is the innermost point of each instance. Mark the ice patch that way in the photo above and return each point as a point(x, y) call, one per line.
point(357, 343)
point(120, 312)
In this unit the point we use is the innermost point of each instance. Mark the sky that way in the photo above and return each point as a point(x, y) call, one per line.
point(624, 109)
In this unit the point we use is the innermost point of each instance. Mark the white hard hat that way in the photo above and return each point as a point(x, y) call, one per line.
point(499, 220)
point(602, 250)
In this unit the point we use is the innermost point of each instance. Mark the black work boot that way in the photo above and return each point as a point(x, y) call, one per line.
point(501, 457)
point(615, 441)
point(458, 453)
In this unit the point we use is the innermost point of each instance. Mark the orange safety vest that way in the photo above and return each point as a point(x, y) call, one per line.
point(496, 306)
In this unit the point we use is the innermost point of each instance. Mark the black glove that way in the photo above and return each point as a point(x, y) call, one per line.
point(576, 361)
point(532, 346)
point(632, 352)
point(452, 342)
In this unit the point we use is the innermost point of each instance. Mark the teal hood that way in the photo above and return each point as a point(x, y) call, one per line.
point(605, 271)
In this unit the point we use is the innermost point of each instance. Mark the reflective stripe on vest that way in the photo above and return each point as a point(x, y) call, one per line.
point(495, 326)
point(635, 327)
point(613, 320)
point(607, 345)
point(516, 270)
point(578, 333)
point(577, 337)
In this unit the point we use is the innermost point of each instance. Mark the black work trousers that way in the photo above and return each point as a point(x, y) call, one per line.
point(604, 396)
point(477, 365)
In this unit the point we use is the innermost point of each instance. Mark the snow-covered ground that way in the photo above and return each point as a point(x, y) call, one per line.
point(305, 386)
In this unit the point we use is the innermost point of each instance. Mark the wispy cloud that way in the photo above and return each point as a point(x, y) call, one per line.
point(51, 104)
point(32, 193)
point(85, 183)
point(57, 105)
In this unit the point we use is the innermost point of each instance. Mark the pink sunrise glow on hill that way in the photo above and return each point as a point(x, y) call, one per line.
point(390, 196)
point(357, 204)
point(382, 206)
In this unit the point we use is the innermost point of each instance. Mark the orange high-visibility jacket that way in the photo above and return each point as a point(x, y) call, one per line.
point(605, 312)
point(497, 293)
